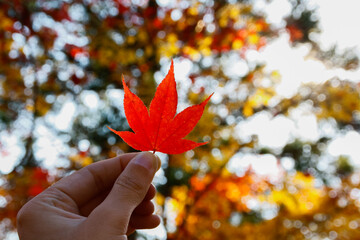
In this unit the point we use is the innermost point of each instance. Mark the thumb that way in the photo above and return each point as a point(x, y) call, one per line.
point(128, 192)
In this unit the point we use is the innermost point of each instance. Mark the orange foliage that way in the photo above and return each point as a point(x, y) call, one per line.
point(21, 185)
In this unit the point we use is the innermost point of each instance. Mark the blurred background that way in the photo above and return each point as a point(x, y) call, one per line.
point(283, 125)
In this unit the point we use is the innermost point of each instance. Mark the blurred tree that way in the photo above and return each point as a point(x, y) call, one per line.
point(60, 85)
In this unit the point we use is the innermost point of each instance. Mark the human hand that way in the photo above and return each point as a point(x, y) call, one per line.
point(106, 200)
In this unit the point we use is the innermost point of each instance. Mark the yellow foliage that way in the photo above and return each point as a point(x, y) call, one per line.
point(159, 199)
point(204, 46)
point(180, 193)
point(334, 99)
point(81, 160)
point(193, 53)
point(253, 39)
point(13, 86)
point(248, 110)
point(340, 102)
point(300, 196)
point(172, 38)
point(275, 75)
point(41, 106)
point(193, 10)
point(169, 47)
point(261, 97)
point(237, 44)
point(228, 13)
point(130, 40)
point(177, 203)
point(142, 36)
point(5, 22)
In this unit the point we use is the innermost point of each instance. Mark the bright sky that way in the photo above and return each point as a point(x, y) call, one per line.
point(338, 25)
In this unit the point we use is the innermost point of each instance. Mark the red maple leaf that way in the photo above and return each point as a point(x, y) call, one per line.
point(159, 129)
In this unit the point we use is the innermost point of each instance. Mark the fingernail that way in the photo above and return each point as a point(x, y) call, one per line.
point(158, 162)
point(146, 159)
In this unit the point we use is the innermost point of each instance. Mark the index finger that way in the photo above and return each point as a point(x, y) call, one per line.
point(94, 179)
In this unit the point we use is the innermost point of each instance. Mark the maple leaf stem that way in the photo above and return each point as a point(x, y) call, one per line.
point(154, 151)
